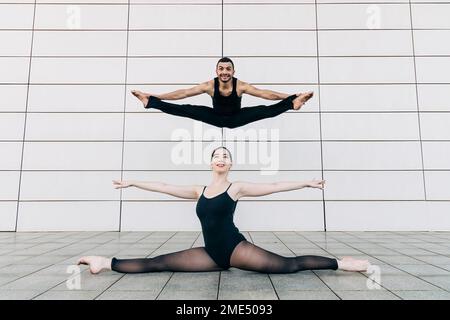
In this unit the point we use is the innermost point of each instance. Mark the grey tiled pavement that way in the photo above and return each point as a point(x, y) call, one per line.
point(407, 265)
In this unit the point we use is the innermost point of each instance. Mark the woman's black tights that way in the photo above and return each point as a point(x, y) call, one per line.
point(245, 256)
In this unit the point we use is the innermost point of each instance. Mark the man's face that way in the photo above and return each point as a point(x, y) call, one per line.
point(225, 71)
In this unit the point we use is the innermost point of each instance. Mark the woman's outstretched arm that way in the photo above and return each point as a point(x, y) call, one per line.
point(249, 189)
point(185, 192)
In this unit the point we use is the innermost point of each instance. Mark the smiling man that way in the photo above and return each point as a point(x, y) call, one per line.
point(226, 92)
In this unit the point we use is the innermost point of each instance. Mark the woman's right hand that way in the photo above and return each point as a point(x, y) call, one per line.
point(121, 184)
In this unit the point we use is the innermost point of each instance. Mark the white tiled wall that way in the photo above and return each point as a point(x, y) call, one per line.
point(378, 128)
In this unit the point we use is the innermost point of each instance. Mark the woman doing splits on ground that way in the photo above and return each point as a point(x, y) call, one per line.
point(225, 246)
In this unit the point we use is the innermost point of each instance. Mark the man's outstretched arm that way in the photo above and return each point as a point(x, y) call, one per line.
point(184, 93)
point(260, 93)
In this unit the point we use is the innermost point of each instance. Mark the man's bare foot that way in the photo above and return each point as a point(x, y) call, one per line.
point(96, 263)
point(141, 96)
point(301, 99)
point(352, 264)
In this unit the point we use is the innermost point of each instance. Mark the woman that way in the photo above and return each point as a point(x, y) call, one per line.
point(225, 246)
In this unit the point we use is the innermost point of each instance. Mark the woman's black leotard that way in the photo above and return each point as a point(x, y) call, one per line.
point(219, 232)
point(226, 111)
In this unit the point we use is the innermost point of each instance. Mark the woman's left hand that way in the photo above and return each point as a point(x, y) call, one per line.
point(317, 184)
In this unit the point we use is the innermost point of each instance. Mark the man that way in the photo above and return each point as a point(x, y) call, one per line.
point(226, 92)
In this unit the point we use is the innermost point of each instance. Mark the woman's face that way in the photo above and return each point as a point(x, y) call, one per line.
point(221, 161)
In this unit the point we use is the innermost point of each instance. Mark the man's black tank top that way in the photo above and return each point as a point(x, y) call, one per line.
point(226, 105)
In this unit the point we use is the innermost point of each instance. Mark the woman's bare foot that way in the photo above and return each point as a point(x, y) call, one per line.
point(141, 96)
point(96, 263)
point(352, 264)
point(301, 99)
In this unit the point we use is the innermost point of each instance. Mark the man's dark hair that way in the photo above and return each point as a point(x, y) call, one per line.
point(225, 59)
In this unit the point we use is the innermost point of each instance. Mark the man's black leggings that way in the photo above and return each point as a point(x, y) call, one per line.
point(212, 117)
